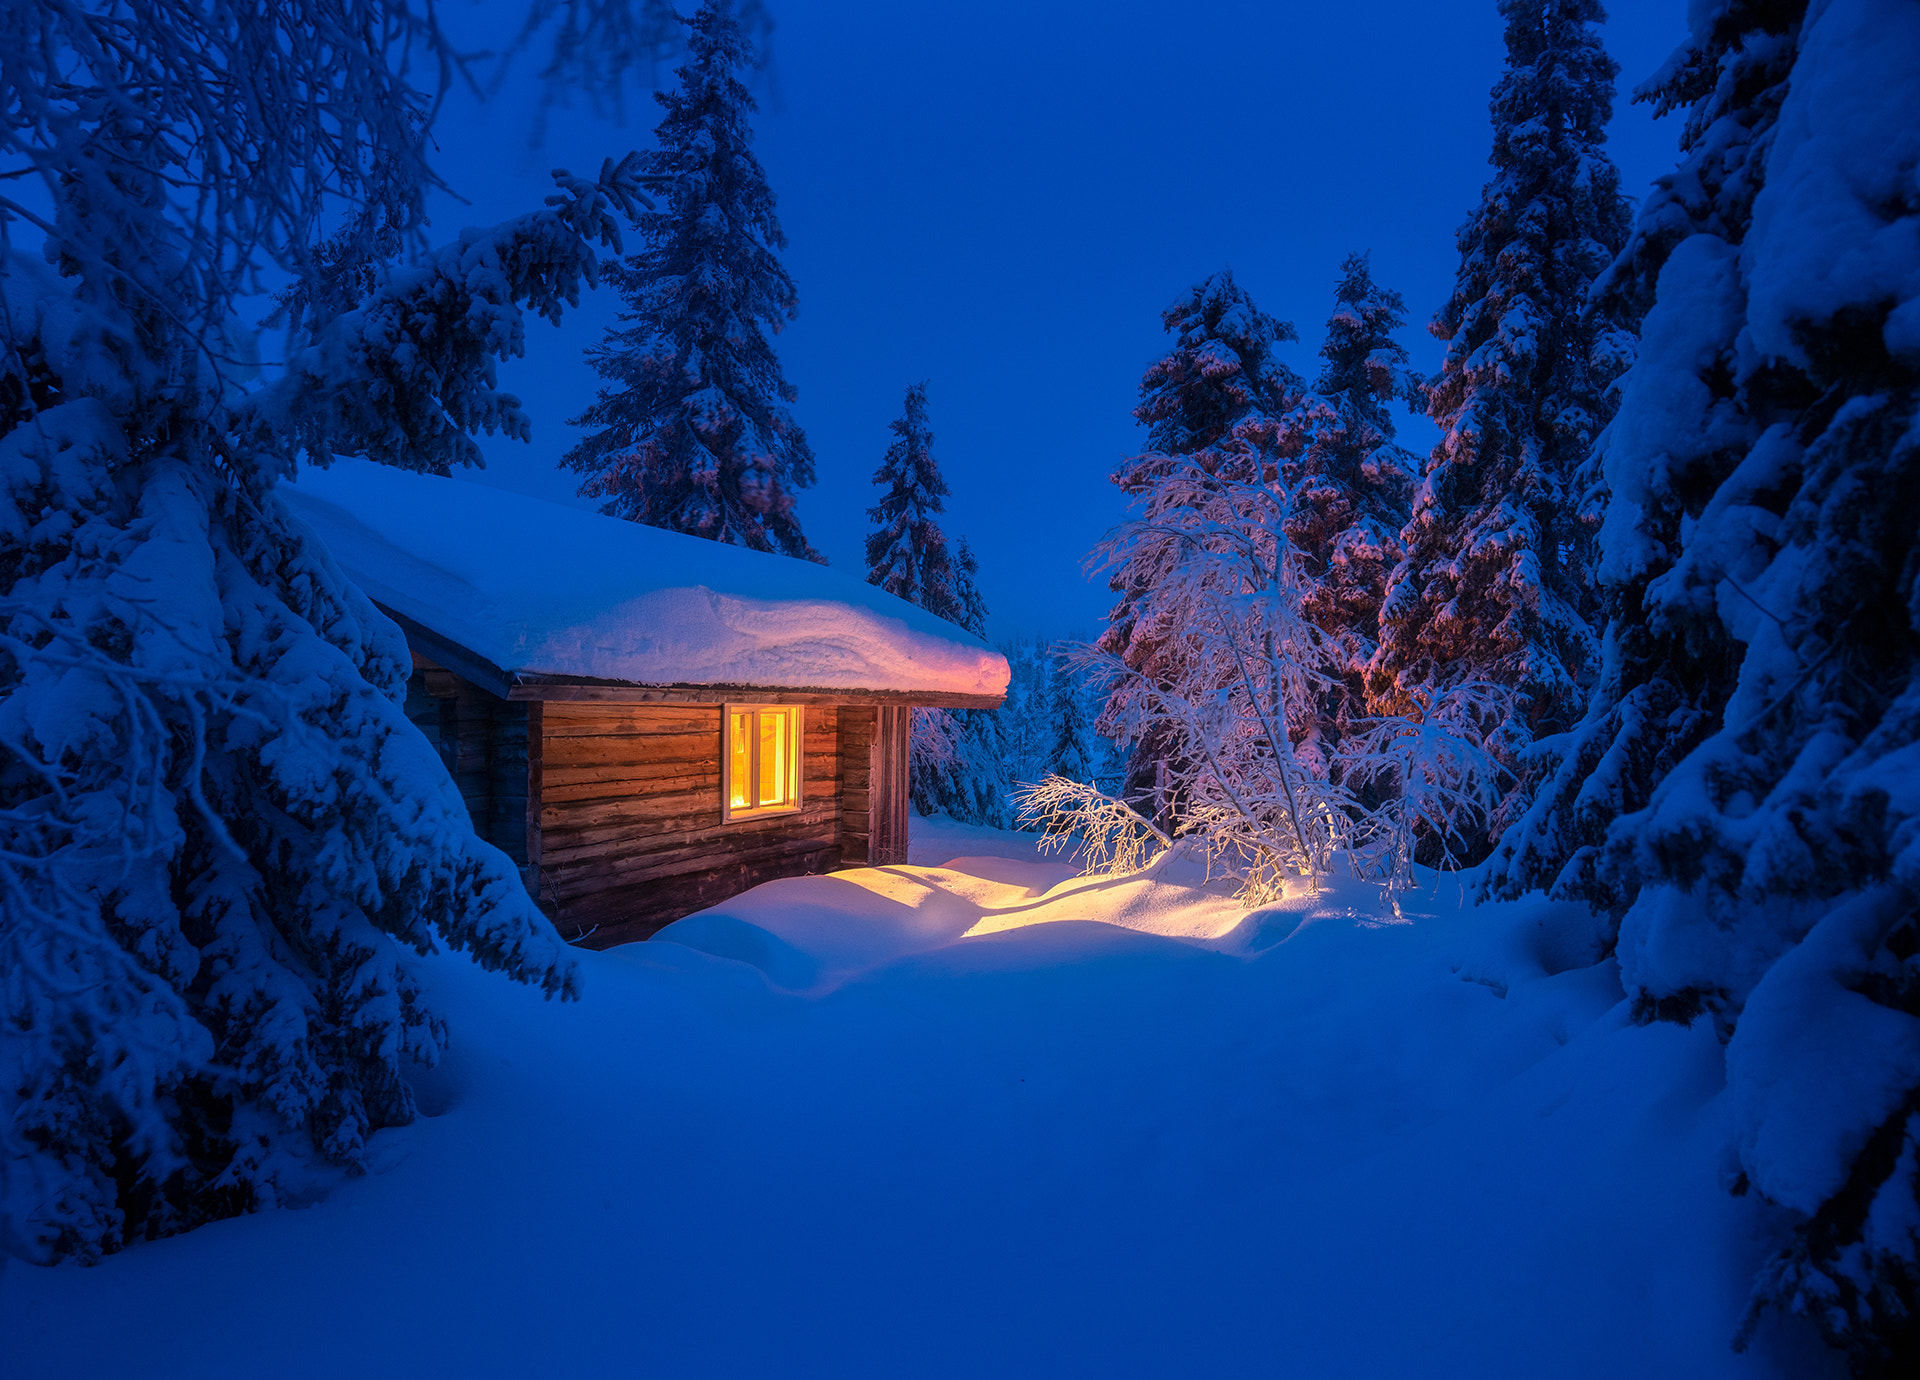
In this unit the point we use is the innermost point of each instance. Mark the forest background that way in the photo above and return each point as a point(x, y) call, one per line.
point(1019, 259)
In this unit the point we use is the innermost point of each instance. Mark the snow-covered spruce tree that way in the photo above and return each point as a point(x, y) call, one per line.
point(1071, 754)
point(1743, 795)
point(219, 834)
point(973, 784)
point(970, 604)
point(693, 431)
point(906, 551)
point(907, 556)
point(1496, 583)
point(1351, 484)
point(1216, 402)
point(1023, 715)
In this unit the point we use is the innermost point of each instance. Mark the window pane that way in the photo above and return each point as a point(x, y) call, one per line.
point(740, 758)
point(773, 757)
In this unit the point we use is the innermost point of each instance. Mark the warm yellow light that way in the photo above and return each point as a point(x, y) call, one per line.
point(739, 743)
point(773, 759)
point(763, 759)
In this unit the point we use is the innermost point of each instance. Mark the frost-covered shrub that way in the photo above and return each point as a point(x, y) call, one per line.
point(1230, 664)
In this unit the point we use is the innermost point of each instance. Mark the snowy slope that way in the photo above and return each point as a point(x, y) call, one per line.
point(541, 589)
point(906, 1136)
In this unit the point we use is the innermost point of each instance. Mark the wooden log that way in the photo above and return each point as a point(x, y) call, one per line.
point(598, 720)
point(570, 881)
point(694, 837)
point(707, 887)
point(651, 747)
point(628, 914)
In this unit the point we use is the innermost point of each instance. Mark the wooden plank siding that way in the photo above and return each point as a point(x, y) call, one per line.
point(612, 809)
point(629, 822)
point(483, 739)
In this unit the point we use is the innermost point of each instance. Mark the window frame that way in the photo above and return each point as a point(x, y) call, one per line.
point(796, 774)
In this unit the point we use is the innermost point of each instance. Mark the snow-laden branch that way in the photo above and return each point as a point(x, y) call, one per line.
point(1108, 836)
point(409, 376)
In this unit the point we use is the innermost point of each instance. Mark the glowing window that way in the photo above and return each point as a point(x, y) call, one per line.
point(762, 760)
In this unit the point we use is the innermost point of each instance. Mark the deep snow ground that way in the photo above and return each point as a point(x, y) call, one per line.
point(1121, 1130)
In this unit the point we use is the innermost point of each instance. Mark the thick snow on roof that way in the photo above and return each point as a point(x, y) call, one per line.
point(541, 589)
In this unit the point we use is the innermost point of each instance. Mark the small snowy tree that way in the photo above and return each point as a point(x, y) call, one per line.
point(1743, 794)
point(694, 432)
point(906, 551)
point(220, 837)
point(1251, 773)
point(1496, 583)
point(1215, 402)
point(971, 604)
point(975, 785)
point(1071, 755)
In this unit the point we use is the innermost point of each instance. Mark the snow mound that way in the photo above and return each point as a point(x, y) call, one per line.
point(814, 934)
point(541, 589)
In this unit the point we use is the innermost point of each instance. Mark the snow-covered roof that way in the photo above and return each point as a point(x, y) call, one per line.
point(541, 590)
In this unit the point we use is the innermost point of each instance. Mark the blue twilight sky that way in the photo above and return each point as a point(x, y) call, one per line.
point(1001, 199)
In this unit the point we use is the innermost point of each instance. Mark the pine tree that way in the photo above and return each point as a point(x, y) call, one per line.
point(694, 433)
point(1351, 484)
point(1025, 714)
point(966, 591)
point(1219, 397)
point(1743, 794)
point(906, 552)
point(1071, 755)
point(976, 789)
point(1496, 583)
point(221, 840)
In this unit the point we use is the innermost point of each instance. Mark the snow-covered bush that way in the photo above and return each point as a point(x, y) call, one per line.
point(1237, 697)
point(1215, 401)
point(1229, 665)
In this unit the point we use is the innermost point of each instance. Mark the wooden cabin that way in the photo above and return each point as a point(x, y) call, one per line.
point(647, 723)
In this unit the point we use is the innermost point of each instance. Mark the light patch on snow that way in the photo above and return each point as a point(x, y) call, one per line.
point(541, 589)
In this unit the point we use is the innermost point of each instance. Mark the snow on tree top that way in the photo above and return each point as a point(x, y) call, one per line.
point(544, 590)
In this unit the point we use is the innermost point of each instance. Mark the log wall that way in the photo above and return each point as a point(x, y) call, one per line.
point(613, 810)
point(629, 832)
point(483, 739)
